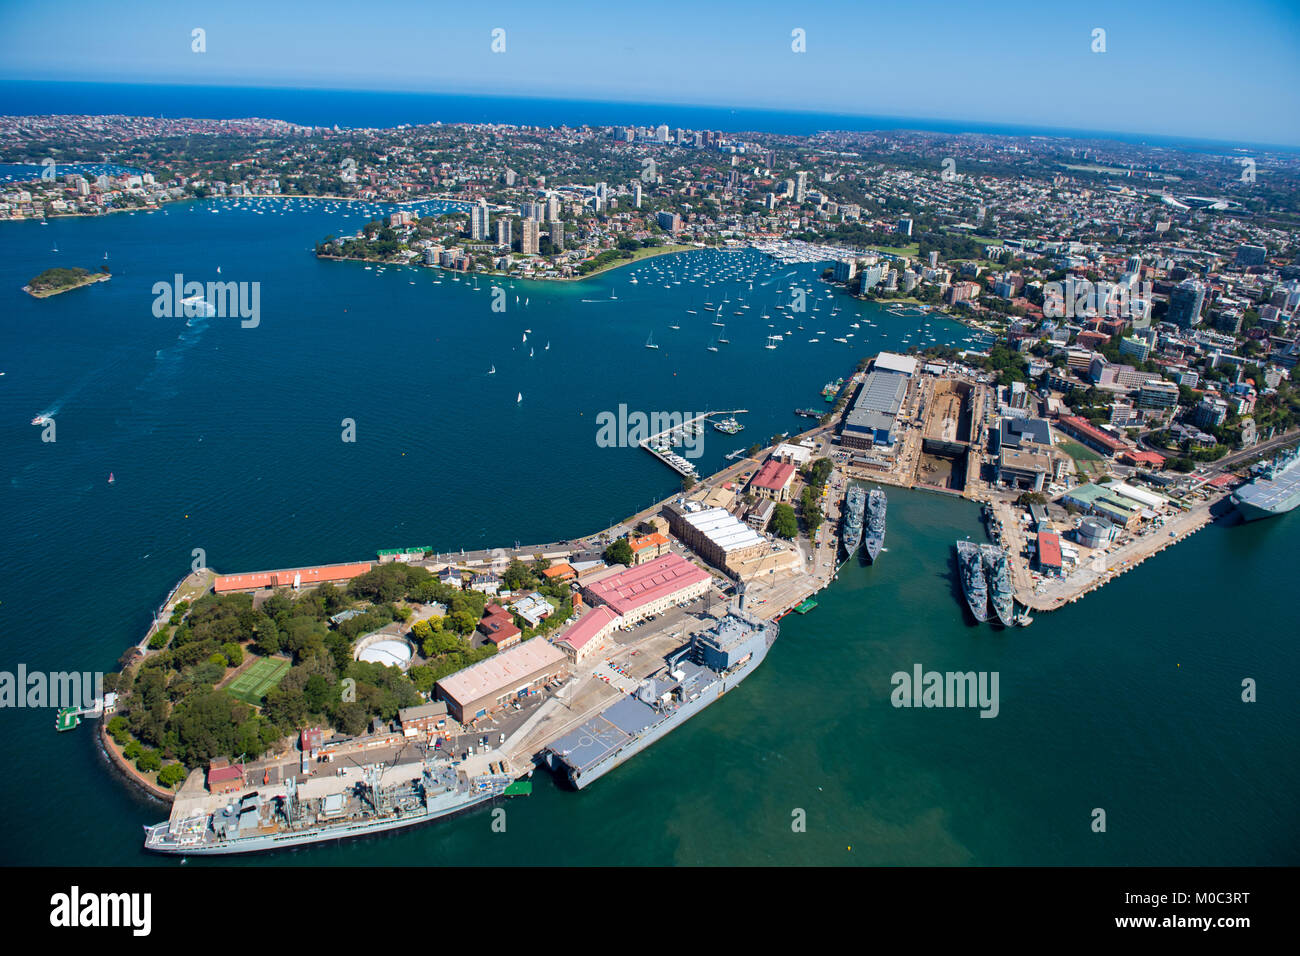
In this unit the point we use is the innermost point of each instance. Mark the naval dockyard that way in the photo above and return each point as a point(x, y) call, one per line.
point(693, 607)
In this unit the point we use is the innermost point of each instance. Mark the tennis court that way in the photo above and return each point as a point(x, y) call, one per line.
point(251, 685)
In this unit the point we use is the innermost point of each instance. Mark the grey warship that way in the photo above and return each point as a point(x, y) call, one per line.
point(359, 802)
point(1275, 490)
point(851, 525)
point(973, 584)
point(997, 568)
point(693, 677)
point(874, 539)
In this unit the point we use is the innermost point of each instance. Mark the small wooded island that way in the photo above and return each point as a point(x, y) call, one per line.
point(53, 281)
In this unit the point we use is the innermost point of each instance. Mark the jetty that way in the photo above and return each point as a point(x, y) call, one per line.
point(660, 443)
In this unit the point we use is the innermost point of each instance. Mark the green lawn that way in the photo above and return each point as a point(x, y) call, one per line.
point(252, 684)
point(910, 250)
point(1076, 451)
point(645, 252)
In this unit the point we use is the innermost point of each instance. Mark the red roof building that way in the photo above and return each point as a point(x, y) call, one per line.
point(773, 480)
point(224, 778)
point(648, 547)
point(290, 578)
point(1092, 340)
point(588, 634)
point(1084, 430)
point(499, 627)
point(650, 588)
point(1131, 456)
point(559, 572)
point(1049, 552)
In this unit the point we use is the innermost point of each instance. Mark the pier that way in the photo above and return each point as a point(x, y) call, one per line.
point(673, 461)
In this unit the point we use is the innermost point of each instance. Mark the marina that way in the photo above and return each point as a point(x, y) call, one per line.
point(662, 442)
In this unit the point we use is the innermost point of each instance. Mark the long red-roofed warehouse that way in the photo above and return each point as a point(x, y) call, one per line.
point(650, 588)
point(1049, 552)
point(293, 577)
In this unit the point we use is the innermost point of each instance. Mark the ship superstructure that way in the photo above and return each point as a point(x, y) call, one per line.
point(1275, 491)
point(693, 677)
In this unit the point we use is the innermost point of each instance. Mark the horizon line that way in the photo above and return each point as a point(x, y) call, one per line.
point(1064, 132)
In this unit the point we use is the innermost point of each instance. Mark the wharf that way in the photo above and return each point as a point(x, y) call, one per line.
point(1049, 594)
point(675, 462)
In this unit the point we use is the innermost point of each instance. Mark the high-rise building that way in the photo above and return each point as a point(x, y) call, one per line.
point(478, 220)
point(530, 237)
point(636, 195)
point(905, 227)
point(1185, 301)
point(661, 133)
point(509, 176)
point(1251, 255)
point(1140, 349)
point(669, 221)
point(557, 235)
point(800, 186)
point(1157, 394)
point(503, 231)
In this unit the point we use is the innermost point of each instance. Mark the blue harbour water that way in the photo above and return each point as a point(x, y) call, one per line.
point(228, 439)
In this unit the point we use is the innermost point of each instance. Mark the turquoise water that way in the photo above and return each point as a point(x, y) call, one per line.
point(228, 439)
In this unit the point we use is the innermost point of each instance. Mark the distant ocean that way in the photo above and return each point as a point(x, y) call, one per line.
point(371, 108)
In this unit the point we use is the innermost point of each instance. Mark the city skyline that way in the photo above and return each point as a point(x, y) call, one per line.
point(1151, 78)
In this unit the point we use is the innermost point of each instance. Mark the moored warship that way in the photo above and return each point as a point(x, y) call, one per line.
point(970, 563)
point(874, 538)
point(1275, 491)
point(851, 525)
point(997, 569)
point(693, 677)
point(361, 801)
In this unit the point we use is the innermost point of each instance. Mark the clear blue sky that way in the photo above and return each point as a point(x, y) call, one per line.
point(1225, 71)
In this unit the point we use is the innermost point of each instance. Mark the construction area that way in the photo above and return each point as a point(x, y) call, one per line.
point(952, 435)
